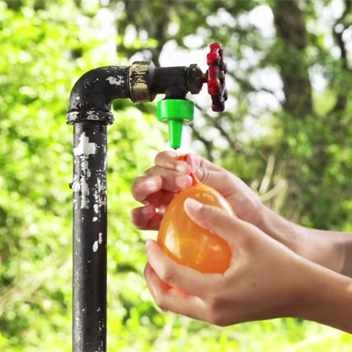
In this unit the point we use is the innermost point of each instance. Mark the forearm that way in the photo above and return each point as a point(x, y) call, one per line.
point(335, 246)
point(325, 297)
point(332, 250)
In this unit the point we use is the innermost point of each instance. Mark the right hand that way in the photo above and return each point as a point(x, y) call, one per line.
point(265, 279)
point(159, 185)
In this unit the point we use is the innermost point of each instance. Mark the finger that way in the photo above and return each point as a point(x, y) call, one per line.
point(146, 218)
point(211, 174)
point(172, 299)
point(167, 160)
point(171, 180)
point(160, 200)
point(144, 186)
point(213, 219)
point(198, 162)
point(180, 276)
point(221, 180)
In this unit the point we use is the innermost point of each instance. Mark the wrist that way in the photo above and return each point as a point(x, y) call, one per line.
point(321, 295)
point(282, 230)
point(325, 248)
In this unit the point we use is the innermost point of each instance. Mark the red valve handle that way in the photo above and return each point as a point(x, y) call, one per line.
point(216, 77)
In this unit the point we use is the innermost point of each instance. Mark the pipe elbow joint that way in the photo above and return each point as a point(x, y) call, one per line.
point(92, 94)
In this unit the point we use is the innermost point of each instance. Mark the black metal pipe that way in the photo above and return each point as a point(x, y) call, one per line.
point(91, 96)
point(90, 112)
point(90, 237)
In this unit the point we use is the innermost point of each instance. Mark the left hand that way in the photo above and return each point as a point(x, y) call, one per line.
point(263, 281)
point(160, 184)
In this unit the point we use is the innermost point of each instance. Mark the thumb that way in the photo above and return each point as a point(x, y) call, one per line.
point(214, 220)
point(212, 178)
point(208, 173)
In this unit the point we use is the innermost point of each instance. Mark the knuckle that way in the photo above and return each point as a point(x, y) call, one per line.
point(258, 211)
point(134, 216)
point(137, 222)
point(167, 275)
point(216, 309)
point(136, 187)
point(160, 157)
point(157, 157)
point(211, 211)
point(213, 304)
point(215, 318)
point(228, 178)
point(145, 271)
point(138, 192)
point(221, 323)
point(228, 183)
point(212, 215)
point(149, 172)
point(202, 174)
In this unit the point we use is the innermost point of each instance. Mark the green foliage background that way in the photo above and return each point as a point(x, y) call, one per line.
point(300, 164)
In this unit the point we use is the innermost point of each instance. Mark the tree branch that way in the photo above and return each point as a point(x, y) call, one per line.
point(248, 87)
point(339, 34)
point(234, 144)
point(270, 166)
point(341, 101)
point(291, 44)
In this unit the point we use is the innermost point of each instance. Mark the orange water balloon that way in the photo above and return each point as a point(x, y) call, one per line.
point(185, 241)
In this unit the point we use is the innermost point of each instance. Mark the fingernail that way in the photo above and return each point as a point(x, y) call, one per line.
point(150, 183)
point(183, 181)
point(193, 204)
point(146, 210)
point(147, 244)
point(182, 167)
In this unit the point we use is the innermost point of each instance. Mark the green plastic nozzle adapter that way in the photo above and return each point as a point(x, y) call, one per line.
point(176, 112)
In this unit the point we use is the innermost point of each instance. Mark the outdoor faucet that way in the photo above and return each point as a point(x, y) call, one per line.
point(90, 113)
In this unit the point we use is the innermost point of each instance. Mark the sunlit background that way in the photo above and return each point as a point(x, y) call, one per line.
point(286, 132)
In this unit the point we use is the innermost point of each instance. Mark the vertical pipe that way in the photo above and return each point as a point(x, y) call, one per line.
point(90, 237)
point(90, 113)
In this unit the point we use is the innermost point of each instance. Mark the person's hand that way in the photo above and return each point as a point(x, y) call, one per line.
point(265, 279)
point(159, 184)
point(261, 283)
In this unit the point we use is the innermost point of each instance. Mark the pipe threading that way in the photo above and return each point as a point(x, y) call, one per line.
point(94, 127)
